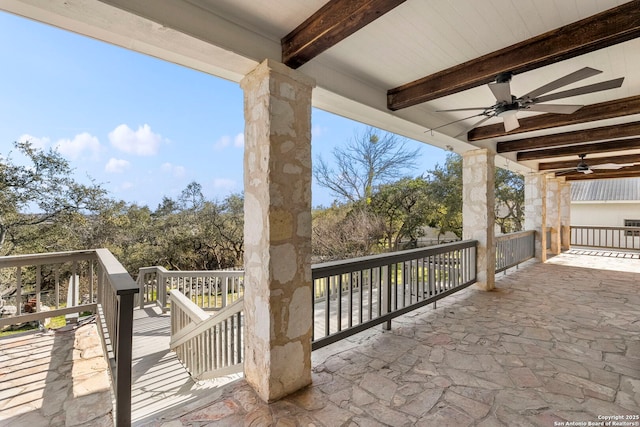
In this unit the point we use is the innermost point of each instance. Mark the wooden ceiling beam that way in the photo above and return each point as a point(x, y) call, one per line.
point(628, 172)
point(568, 138)
point(591, 161)
point(332, 23)
point(598, 147)
point(604, 29)
point(588, 113)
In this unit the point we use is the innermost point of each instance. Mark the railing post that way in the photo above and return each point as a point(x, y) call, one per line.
point(123, 356)
point(162, 289)
point(386, 295)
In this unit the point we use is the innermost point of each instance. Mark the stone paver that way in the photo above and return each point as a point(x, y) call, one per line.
point(55, 378)
point(554, 343)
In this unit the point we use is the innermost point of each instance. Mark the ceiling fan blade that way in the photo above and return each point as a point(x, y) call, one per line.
point(510, 122)
point(455, 121)
point(612, 166)
point(554, 108)
point(597, 87)
point(563, 81)
point(463, 109)
point(502, 91)
point(475, 125)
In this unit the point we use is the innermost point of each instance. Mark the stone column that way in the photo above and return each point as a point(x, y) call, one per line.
point(565, 215)
point(478, 211)
point(535, 211)
point(553, 212)
point(277, 229)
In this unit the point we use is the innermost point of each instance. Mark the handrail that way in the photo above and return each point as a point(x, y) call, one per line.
point(514, 248)
point(360, 293)
point(210, 290)
point(111, 293)
point(627, 238)
point(208, 346)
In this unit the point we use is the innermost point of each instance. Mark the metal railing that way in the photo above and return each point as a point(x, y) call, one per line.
point(209, 290)
point(357, 294)
point(107, 290)
point(207, 346)
point(514, 248)
point(627, 238)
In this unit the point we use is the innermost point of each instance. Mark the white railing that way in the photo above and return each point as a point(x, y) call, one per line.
point(107, 290)
point(209, 290)
point(627, 238)
point(208, 346)
point(514, 248)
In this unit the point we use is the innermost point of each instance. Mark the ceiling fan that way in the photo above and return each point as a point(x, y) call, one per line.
point(584, 168)
point(507, 105)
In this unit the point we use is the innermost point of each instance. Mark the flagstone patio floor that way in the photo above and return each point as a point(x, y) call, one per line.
point(555, 344)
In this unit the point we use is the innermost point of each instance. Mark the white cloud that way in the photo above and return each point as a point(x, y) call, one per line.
point(126, 185)
point(117, 165)
point(175, 170)
point(222, 143)
point(78, 146)
point(238, 141)
point(318, 130)
point(142, 142)
point(225, 184)
point(39, 143)
point(226, 141)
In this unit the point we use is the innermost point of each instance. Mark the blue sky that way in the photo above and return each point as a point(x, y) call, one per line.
point(141, 127)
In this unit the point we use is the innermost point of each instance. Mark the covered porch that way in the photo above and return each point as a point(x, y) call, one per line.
point(543, 344)
point(553, 342)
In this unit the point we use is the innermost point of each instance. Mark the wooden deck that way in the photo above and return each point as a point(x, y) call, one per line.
point(160, 382)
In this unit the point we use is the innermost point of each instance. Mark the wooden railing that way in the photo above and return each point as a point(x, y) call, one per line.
point(627, 238)
point(107, 290)
point(209, 290)
point(514, 248)
point(207, 346)
point(356, 294)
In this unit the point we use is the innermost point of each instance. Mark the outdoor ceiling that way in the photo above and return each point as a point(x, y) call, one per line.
point(366, 54)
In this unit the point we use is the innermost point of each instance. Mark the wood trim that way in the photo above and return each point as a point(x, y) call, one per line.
point(604, 29)
point(569, 138)
point(332, 23)
point(598, 147)
point(588, 113)
point(591, 161)
point(628, 172)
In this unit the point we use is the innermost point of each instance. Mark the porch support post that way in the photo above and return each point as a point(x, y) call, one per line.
point(535, 211)
point(277, 229)
point(478, 211)
point(553, 212)
point(565, 215)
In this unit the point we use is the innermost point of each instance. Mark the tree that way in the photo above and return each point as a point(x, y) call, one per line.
point(405, 208)
point(345, 231)
point(369, 159)
point(509, 200)
point(40, 196)
point(445, 189)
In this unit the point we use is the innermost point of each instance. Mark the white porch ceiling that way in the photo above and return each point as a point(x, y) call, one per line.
point(227, 38)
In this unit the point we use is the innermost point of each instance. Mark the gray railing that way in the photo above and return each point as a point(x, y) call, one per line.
point(514, 248)
point(209, 290)
point(104, 287)
point(354, 295)
point(627, 238)
point(208, 346)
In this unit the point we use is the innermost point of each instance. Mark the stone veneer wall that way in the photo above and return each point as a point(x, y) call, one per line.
point(565, 215)
point(277, 183)
point(553, 212)
point(478, 211)
point(535, 211)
